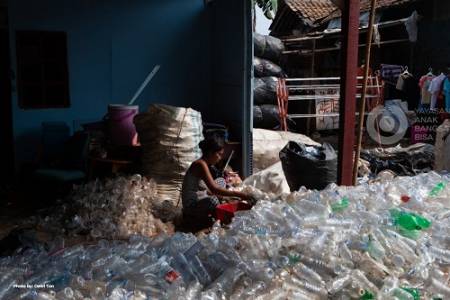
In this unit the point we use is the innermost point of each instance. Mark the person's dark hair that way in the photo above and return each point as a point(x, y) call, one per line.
point(212, 144)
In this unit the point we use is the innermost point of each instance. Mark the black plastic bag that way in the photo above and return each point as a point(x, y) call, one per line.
point(265, 91)
point(313, 167)
point(266, 116)
point(257, 116)
point(268, 47)
point(410, 161)
point(265, 68)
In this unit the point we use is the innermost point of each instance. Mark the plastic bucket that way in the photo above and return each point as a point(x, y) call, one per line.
point(121, 129)
point(225, 212)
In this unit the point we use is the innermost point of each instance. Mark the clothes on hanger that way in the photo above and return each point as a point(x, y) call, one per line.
point(435, 88)
point(424, 84)
point(407, 84)
point(446, 92)
point(390, 73)
point(402, 79)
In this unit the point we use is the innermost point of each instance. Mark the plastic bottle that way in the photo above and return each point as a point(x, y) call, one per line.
point(409, 221)
point(366, 295)
point(438, 189)
point(415, 293)
point(440, 288)
point(340, 205)
point(361, 281)
point(375, 248)
point(339, 283)
point(310, 287)
point(308, 274)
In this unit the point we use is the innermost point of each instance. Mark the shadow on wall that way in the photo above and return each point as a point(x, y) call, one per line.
point(29, 141)
point(177, 38)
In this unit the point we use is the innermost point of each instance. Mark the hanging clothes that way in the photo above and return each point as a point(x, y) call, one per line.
point(408, 85)
point(390, 73)
point(446, 91)
point(424, 84)
point(411, 26)
point(435, 89)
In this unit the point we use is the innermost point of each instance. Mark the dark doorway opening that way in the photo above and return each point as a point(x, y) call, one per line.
point(6, 129)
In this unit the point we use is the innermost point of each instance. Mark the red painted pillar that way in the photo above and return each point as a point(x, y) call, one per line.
point(347, 108)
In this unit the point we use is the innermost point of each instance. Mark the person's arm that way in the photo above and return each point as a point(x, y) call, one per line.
point(205, 175)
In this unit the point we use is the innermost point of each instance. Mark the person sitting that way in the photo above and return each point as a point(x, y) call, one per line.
point(199, 191)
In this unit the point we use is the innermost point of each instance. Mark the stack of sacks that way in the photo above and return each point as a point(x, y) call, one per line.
point(268, 50)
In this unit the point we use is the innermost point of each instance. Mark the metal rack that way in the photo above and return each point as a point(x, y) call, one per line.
point(324, 89)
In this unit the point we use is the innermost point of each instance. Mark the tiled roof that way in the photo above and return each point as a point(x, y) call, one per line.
point(312, 11)
point(365, 6)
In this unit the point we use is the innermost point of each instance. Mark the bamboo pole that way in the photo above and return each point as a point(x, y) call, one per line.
point(362, 107)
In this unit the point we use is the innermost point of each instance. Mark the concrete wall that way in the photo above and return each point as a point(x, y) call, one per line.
point(112, 46)
point(232, 56)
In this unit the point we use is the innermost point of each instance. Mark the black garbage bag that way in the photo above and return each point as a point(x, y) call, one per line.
point(265, 91)
point(313, 167)
point(257, 116)
point(266, 116)
point(410, 161)
point(265, 68)
point(268, 47)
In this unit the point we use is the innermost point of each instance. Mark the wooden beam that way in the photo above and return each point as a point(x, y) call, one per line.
point(362, 107)
point(347, 107)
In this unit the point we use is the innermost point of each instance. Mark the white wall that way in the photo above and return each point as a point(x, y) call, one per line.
point(262, 23)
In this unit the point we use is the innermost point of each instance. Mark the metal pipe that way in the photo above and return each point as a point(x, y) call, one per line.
point(318, 78)
point(324, 87)
point(308, 52)
point(300, 116)
point(314, 97)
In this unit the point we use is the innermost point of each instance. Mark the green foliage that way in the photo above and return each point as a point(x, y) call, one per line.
point(269, 7)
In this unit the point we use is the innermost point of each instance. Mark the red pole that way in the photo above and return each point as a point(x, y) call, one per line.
point(347, 108)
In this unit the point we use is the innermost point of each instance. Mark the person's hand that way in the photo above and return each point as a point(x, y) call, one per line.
point(245, 196)
point(252, 200)
point(249, 198)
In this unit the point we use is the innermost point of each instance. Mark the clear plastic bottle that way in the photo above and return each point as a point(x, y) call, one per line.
point(308, 274)
point(339, 283)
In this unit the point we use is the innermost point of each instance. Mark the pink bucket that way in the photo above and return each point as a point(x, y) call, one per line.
point(121, 129)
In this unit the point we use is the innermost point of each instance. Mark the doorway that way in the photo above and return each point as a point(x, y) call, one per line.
point(6, 129)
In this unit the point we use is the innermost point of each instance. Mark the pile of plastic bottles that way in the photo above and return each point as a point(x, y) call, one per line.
point(110, 209)
point(387, 240)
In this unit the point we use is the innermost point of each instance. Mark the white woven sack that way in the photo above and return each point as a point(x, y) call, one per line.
point(169, 137)
point(442, 148)
point(267, 145)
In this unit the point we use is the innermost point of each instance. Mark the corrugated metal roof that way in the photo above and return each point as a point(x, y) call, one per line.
point(313, 11)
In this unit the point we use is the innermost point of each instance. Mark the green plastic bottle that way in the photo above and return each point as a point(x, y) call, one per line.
point(294, 259)
point(414, 292)
point(409, 221)
point(367, 295)
point(341, 205)
point(437, 189)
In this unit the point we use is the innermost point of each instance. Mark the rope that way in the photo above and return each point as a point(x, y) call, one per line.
point(177, 154)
